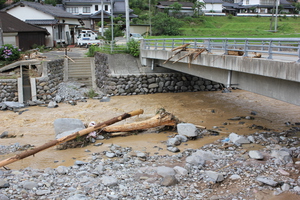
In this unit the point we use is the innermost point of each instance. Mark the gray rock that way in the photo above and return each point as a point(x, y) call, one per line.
point(173, 149)
point(165, 171)
point(180, 170)
point(255, 155)
point(173, 142)
point(205, 155)
point(109, 180)
point(283, 157)
point(79, 163)
point(110, 154)
point(187, 129)
point(4, 184)
point(13, 104)
point(285, 187)
point(105, 99)
point(267, 181)
point(297, 189)
point(3, 197)
point(235, 177)
point(4, 134)
point(78, 197)
point(52, 104)
point(66, 124)
point(66, 133)
point(251, 138)
point(42, 192)
point(215, 176)
point(62, 170)
point(195, 159)
point(169, 180)
point(29, 185)
point(181, 138)
point(235, 138)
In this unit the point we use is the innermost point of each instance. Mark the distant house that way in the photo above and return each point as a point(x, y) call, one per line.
point(61, 25)
point(212, 6)
point(21, 34)
point(257, 6)
point(186, 8)
point(90, 11)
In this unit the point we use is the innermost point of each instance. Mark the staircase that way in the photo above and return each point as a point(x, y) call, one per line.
point(80, 70)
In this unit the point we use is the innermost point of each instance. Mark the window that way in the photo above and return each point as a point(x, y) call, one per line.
point(72, 9)
point(247, 2)
point(86, 10)
point(96, 8)
point(106, 7)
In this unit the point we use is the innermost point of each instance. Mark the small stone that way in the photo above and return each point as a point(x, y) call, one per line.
point(267, 181)
point(215, 176)
point(169, 180)
point(255, 155)
point(4, 184)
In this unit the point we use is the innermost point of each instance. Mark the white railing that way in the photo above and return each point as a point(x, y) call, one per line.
point(268, 46)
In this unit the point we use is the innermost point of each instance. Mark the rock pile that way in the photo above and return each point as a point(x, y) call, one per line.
point(222, 170)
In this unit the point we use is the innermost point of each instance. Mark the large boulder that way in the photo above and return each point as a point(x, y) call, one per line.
point(187, 129)
point(66, 126)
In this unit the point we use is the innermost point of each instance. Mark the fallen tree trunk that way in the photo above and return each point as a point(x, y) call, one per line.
point(69, 137)
point(165, 119)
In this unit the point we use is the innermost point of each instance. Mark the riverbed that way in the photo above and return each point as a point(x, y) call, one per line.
point(212, 110)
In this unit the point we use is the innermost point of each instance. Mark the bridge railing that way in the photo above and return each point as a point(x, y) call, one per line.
point(266, 46)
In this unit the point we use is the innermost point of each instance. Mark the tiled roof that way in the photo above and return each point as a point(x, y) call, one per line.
point(12, 24)
point(46, 8)
point(168, 3)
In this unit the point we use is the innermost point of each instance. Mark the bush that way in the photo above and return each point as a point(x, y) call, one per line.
point(133, 48)
point(8, 52)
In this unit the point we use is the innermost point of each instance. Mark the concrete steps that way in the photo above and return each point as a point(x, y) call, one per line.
point(80, 70)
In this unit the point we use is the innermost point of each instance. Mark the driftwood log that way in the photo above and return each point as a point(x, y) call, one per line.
point(68, 138)
point(162, 119)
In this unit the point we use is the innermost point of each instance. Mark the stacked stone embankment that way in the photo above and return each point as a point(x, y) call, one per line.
point(8, 90)
point(147, 83)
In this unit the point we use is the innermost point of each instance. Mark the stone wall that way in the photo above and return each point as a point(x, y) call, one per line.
point(148, 83)
point(47, 86)
point(8, 90)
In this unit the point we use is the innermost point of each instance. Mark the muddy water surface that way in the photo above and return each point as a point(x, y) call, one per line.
point(209, 109)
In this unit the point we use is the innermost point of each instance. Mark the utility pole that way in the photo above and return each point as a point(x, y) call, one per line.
point(276, 16)
point(127, 20)
point(102, 21)
point(150, 33)
point(1, 34)
point(112, 25)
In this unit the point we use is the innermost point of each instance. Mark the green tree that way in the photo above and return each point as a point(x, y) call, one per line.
point(176, 8)
point(164, 24)
point(297, 7)
point(198, 6)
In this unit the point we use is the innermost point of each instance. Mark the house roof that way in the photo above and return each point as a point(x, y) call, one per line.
point(213, 1)
point(42, 21)
point(168, 3)
point(12, 24)
point(45, 8)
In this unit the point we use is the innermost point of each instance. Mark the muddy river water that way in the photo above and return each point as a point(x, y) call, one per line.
point(209, 109)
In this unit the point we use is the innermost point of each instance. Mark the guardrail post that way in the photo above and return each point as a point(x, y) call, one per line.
point(208, 46)
point(155, 47)
point(172, 43)
point(164, 44)
point(298, 61)
point(195, 43)
point(225, 47)
point(270, 49)
point(246, 48)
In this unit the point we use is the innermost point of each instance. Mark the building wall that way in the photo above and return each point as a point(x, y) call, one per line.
point(10, 38)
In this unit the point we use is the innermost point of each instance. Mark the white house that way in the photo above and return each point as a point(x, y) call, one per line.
point(212, 6)
point(60, 24)
point(90, 11)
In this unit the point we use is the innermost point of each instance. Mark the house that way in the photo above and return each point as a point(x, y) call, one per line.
point(21, 34)
point(61, 25)
point(186, 7)
point(258, 6)
point(90, 11)
point(212, 6)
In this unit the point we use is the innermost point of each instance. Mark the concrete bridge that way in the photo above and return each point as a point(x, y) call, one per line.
point(275, 74)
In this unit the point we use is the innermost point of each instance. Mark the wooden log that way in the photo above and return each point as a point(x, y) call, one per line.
point(69, 137)
point(157, 120)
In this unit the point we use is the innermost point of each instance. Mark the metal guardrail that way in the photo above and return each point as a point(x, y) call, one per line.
point(269, 46)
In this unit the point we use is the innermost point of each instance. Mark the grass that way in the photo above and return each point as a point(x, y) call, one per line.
point(239, 27)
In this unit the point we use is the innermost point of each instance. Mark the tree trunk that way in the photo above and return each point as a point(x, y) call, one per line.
point(68, 138)
point(157, 120)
